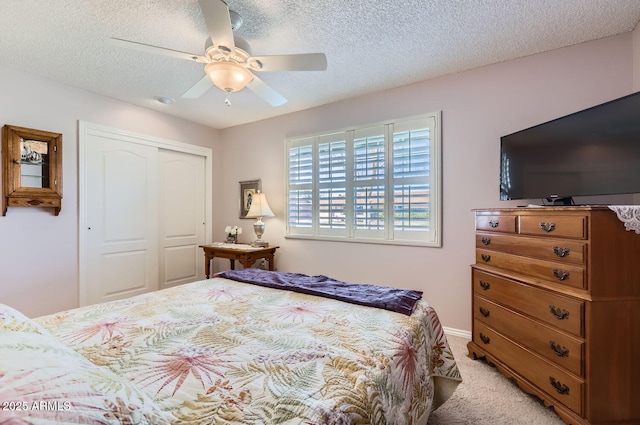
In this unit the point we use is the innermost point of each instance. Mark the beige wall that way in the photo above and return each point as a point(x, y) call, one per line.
point(478, 107)
point(38, 252)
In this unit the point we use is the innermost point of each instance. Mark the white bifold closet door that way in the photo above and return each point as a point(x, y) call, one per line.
point(144, 217)
point(182, 219)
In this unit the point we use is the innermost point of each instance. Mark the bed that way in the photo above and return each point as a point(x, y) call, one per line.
point(224, 351)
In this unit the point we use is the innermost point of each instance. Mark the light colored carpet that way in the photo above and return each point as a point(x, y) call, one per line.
point(485, 397)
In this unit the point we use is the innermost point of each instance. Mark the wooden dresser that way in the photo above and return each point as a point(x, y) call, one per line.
point(556, 307)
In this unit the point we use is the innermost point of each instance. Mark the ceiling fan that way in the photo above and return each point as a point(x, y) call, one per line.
point(229, 64)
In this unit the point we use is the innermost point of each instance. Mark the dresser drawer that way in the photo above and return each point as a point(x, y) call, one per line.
point(554, 272)
point(497, 222)
point(559, 348)
point(563, 251)
point(554, 225)
point(560, 385)
point(556, 310)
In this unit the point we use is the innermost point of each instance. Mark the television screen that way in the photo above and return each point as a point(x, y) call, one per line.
point(591, 152)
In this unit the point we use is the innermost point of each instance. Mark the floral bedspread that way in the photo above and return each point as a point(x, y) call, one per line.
point(224, 352)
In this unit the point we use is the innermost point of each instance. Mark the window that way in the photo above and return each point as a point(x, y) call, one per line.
point(379, 183)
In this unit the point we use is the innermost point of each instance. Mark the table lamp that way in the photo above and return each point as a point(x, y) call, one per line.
point(259, 208)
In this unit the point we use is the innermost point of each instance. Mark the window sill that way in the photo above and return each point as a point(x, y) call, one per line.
point(367, 241)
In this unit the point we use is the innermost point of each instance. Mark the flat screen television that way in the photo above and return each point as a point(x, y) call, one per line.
point(592, 152)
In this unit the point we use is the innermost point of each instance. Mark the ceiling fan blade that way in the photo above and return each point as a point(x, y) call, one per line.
point(271, 96)
point(158, 50)
point(216, 15)
point(199, 88)
point(300, 62)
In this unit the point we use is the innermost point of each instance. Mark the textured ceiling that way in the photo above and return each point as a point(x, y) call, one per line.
point(371, 45)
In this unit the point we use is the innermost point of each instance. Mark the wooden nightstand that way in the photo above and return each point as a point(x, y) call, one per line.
point(246, 254)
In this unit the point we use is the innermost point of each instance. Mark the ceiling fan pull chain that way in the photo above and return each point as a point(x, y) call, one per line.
point(226, 99)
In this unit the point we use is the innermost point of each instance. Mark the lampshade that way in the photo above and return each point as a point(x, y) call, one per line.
point(228, 76)
point(259, 207)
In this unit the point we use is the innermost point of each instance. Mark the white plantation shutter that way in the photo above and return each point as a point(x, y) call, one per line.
point(369, 165)
point(300, 196)
point(373, 184)
point(411, 179)
point(332, 180)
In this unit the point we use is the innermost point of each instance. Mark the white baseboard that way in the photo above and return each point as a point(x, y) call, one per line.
point(457, 332)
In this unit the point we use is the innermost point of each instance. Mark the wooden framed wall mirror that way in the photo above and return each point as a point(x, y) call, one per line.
point(32, 168)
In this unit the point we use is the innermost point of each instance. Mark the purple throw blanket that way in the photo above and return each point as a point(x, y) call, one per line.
point(398, 300)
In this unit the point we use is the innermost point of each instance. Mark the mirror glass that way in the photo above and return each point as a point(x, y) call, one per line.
point(34, 170)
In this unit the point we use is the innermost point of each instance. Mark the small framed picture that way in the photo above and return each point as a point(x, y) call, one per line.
point(247, 190)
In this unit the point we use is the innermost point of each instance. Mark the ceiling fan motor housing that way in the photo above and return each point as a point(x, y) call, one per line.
point(211, 50)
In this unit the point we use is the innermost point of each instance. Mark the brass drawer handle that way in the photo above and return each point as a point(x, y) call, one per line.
point(561, 252)
point(559, 313)
point(560, 351)
point(560, 274)
point(34, 202)
point(494, 223)
point(486, 258)
point(486, 241)
point(547, 227)
point(484, 312)
point(485, 285)
point(560, 388)
point(485, 339)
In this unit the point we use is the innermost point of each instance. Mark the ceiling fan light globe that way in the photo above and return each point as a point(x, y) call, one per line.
point(228, 76)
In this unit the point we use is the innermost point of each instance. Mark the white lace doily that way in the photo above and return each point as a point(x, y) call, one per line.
point(629, 215)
